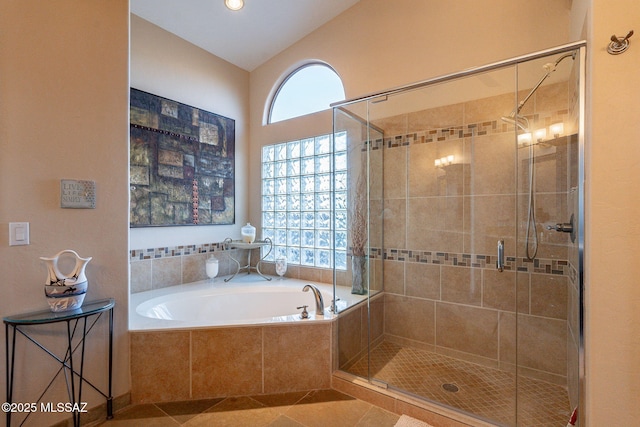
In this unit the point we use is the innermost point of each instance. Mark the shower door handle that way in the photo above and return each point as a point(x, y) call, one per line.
point(500, 261)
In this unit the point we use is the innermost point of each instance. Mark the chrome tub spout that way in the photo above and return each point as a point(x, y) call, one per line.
point(318, 296)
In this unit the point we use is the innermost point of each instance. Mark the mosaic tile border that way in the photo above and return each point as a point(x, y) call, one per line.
point(539, 265)
point(451, 133)
point(559, 267)
point(175, 251)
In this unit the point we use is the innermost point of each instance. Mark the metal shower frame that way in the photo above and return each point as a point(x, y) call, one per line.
point(579, 46)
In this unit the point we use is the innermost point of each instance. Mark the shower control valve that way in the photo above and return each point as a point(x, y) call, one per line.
point(564, 228)
point(567, 227)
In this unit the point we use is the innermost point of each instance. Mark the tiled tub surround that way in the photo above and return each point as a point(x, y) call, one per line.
point(203, 363)
point(251, 352)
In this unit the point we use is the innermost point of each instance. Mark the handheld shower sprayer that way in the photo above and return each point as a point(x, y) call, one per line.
point(522, 123)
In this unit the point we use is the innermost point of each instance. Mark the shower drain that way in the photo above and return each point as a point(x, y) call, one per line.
point(450, 387)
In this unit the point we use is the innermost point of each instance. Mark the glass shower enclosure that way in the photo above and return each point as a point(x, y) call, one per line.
point(465, 233)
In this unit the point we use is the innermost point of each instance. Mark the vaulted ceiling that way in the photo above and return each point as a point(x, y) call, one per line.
point(248, 37)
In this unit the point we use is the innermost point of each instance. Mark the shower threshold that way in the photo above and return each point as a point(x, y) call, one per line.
point(486, 392)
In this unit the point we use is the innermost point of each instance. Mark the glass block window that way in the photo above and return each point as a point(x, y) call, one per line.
point(304, 196)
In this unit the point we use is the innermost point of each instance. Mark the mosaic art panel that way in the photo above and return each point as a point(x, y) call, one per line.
point(182, 164)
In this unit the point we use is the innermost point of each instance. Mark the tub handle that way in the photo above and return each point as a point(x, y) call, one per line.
point(305, 313)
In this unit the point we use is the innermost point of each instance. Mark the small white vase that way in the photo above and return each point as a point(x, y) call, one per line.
point(248, 233)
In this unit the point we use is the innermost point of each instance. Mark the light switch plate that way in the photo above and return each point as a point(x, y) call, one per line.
point(18, 233)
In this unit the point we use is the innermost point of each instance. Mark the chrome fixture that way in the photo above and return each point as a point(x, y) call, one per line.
point(549, 67)
point(305, 313)
point(318, 296)
point(500, 261)
point(567, 227)
point(618, 45)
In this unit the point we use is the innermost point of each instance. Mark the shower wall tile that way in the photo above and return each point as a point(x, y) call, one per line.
point(542, 344)
point(376, 317)
point(395, 173)
point(395, 219)
point(425, 179)
point(435, 222)
point(549, 296)
point(461, 285)
point(350, 331)
point(492, 219)
point(377, 161)
point(524, 292)
point(226, 362)
point(455, 331)
point(377, 216)
point(488, 109)
point(395, 125)
point(493, 165)
point(160, 366)
point(553, 98)
point(499, 290)
point(394, 278)
point(422, 174)
point(456, 214)
point(403, 314)
point(422, 280)
point(434, 118)
point(507, 335)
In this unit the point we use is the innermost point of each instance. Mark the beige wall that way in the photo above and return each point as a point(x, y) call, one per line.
point(166, 65)
point(64, 115)
point(612, 233)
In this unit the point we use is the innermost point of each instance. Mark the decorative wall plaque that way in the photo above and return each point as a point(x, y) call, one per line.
point(182, 164)
point(76, 194)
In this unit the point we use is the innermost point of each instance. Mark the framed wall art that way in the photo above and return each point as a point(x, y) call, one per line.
point(182, 164)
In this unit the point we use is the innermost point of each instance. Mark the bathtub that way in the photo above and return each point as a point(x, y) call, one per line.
point(246, 300)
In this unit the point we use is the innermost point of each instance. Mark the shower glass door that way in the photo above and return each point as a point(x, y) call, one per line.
point(470, 184)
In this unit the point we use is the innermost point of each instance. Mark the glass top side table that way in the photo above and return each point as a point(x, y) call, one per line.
point(19, 323)
point(239, 244)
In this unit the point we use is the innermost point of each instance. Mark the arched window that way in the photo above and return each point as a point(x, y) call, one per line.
point(310, 88)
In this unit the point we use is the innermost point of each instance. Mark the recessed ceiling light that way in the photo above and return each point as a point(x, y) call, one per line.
point(234, 4)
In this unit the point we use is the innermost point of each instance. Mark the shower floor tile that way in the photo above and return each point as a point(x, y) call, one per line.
point(484, 391)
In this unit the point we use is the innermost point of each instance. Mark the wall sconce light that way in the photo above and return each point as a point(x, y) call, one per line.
point(444, 161)
point(557, 129)
point(234, 4)
point(524, 138)
point(541, 134)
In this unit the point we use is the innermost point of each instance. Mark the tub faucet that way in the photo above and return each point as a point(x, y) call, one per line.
point(318, 296)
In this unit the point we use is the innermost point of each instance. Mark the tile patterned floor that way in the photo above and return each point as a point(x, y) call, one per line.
point(318, 408)
point(487, 392)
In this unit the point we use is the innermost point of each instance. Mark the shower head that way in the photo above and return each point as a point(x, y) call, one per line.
point(549, 68)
